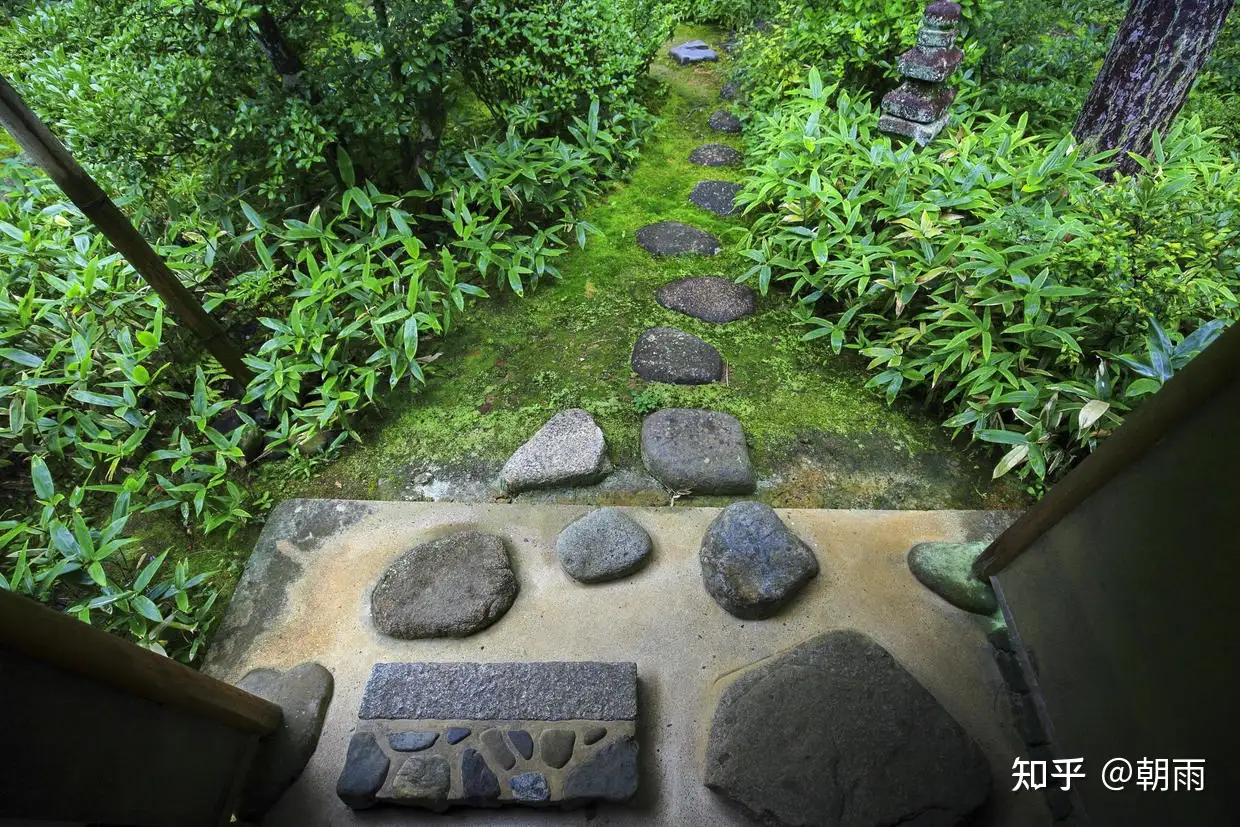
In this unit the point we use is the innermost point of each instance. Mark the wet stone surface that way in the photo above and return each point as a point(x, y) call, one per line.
point(693, 51)
point(752, 564)
point(665, 354)
point(709, 298)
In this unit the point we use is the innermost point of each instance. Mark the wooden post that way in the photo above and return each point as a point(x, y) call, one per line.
point(48, 152)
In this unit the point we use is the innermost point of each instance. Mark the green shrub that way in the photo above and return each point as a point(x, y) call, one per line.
point(731, 14)
point(993, 273)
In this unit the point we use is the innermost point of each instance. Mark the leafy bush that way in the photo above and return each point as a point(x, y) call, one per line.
point(731, 14)
point(993, 273)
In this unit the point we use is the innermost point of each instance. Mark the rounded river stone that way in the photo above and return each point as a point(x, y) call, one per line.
point(752, 564)
point(555, 747)
point(603, 545)
point(715, 155)
point(450, 587)
point(709, 298)
point(947, 570)
point(665, 354)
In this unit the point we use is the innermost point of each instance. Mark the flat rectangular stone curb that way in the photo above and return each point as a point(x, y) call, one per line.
point(552, 691)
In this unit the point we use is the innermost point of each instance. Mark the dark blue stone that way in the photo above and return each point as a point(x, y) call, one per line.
point(522, 741)
point(457, 734)
point(478, 783)
point(365, 768)
point(530, 786)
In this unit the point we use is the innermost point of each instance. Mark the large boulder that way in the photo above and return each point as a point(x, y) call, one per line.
point(665, 354)
point(697, 451)
point(709, 298)
point(716, 196)
point(603, 545)
point(715, 155)
point(671, 238)
point(836, 733)
point(451, 587)
point(568, 450)
point(752, 564)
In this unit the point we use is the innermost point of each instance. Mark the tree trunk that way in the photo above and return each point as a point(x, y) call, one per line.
point(278, 49)
point(1158, 50)
point(398, 85)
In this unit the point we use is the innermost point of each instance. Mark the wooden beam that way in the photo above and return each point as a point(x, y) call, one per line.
point(1214, 369)
point(46, 150)
point(41, 634)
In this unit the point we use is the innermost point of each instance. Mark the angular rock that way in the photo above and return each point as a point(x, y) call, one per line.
point(709, 298)
point(568, 450)
point(715, 155)
point(423, 780)
point(943, 14)
point(413, 741)
point(450, 587)
point(918, 102)
point(522, 743)
point(493, 740)
point(479, 786)
point(703, 452)
point(947, 570)
point(610, 774)
point(530, 786)
point(723, 121)
point(922, 133)
point(365, 768)
point(593, 735)
point(671, 238)
point(555, 747)
point(665, 354)
point(836, 733)
point(934, 38)
point(303, 694)
point(456, 734)
point(603, 545)
point(730, 91)
point(752, 564)
point(693, 51)
point(716, 196)
point(934, 65)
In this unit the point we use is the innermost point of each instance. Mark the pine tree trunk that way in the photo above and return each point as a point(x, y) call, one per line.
point(1158, 50)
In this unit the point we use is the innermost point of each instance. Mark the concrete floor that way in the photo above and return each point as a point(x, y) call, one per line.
point(304, 597)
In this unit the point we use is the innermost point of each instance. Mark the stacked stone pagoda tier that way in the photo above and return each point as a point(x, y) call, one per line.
point(918, 108)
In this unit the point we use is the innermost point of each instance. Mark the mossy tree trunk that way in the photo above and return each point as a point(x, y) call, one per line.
point(1158, 50)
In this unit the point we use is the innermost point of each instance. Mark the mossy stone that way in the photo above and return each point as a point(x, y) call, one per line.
point(947, 570)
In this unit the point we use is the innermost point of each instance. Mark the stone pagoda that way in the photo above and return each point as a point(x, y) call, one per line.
point(918, 107)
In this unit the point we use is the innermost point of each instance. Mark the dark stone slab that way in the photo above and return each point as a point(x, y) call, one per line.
point(730, 91)
point(522, 743)
point(703, 452)
point(934, 65)
point(303, 694)
point(603, 545)
point(555, 747)
point(693, 51)
point(450, 587)
point(610, 774)
point(497, 750)
point(943, 14)
point(947, 570)
point(593, 735)
point(556, 691)
point(671, 238)
point(423, 780)
point(530, 786)
point(715, 155)
point(365, 768)
point(709, 298)
point(919, 102)
point(723, 121)
point(716, 196)
point(665, 354)
point(752, 564)
point(456, 734)
point(479, 786)
point(413, 741)
point(835, 732)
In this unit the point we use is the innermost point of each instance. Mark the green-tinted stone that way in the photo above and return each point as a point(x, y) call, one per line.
point(947, 570)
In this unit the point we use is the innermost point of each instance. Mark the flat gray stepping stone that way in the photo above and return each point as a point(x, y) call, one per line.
point(671, 238)
point(303, 694)
point(365, 768)
point(603, 545)
point(724, 121)
point(702, 452)
point(947, 570)
point(665, 354)
point(693, 51)
point(450, 587)
point(716, 155)
point(568, 450)
point(709, 298)
point(752, 564)
point(716, 196)
point(835, 732)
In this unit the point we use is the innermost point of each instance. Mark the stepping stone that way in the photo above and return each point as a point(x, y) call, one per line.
point(568, 450)
point(730, 91)
point(752, 564)
point(694, 51)
point(603, 545)
point(665, 354)
point(724, 121)
point(702, 452)
point(709, 298)
point(835, 732)
point(947, 570)
point(450, 587)
point(671, 238)
point(513, 706)
point(303, 694)
point(716, 196)
point(715, 155)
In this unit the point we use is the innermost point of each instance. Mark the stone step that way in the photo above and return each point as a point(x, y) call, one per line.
point(716, 196)
point(666, 354)
point(693, 51)
point(568, 450)
point(724, 121)
point(697, 451)
point(709, 298)
point(672, 238)
point(715, 155)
